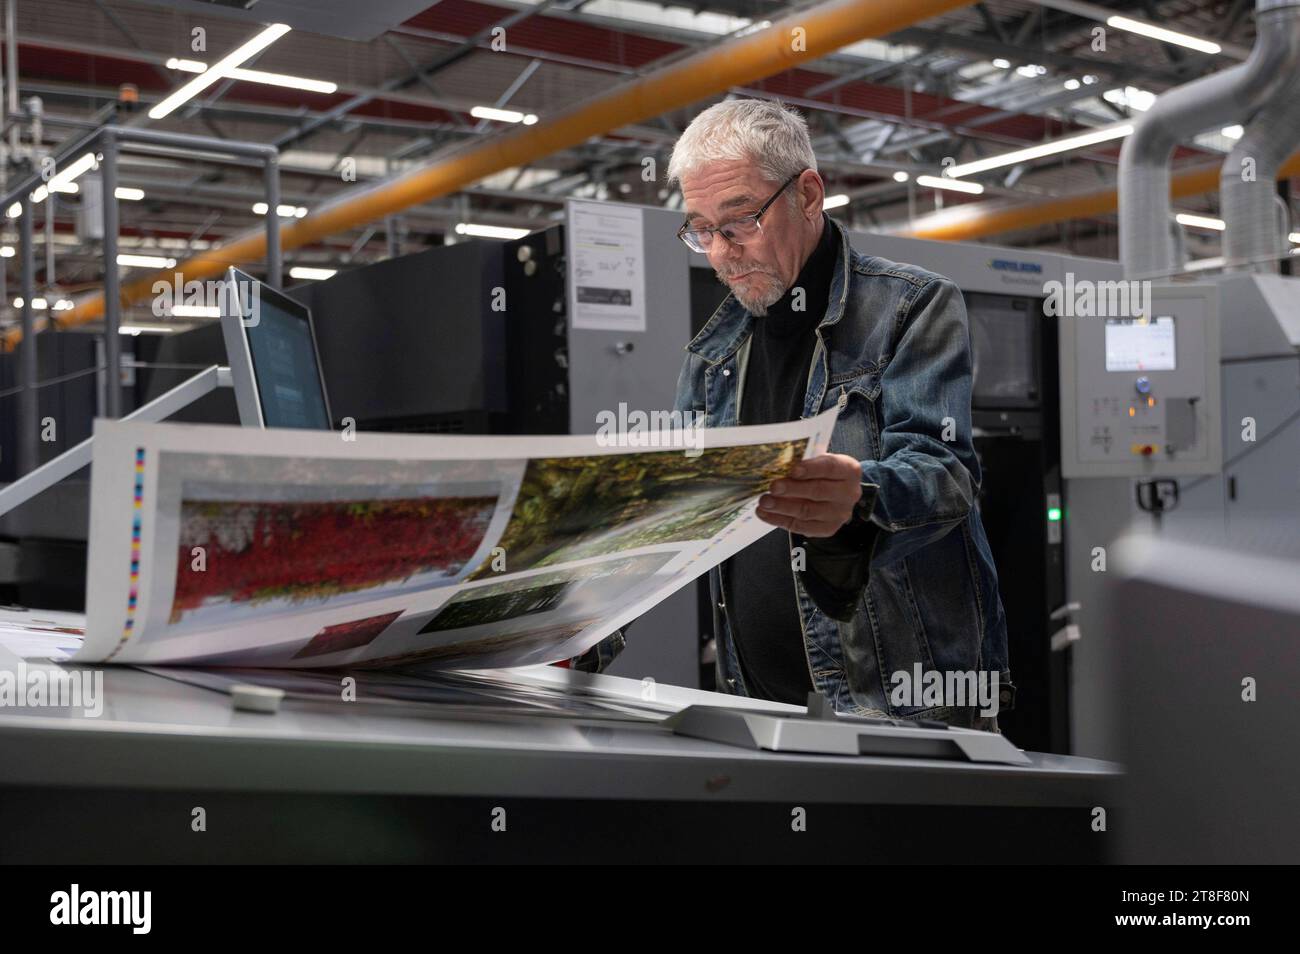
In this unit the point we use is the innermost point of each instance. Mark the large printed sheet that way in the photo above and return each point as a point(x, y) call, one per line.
point(235, 547)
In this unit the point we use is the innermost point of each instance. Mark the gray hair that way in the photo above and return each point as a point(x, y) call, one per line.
point(769, 134)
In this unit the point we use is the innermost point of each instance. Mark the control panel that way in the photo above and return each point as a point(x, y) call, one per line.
point(1140, 383)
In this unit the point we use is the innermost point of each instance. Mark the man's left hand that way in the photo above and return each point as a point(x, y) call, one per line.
point(817, 498)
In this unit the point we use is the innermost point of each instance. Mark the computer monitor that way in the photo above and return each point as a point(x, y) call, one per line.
point(1004, 334)
point(274, 361)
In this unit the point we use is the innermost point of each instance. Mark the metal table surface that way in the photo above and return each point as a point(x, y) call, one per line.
point(327, 781)
point(158, 733)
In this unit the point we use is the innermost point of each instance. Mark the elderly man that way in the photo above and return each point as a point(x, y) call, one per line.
point(882, 571)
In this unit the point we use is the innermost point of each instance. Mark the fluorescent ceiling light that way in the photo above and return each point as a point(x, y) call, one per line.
point(63, 304)
point(1104, 134)
point(1130, 96)
point(1072, 84)
point(43, 192)
point(901, 176)
point(14, 210)
point(129, 194)
point(1002, 64)
point(7, 252)
point(196, 311)
point(1031, 69)
point(502, 115)
point(676, 17)
point(219, 70)
point(145, 261)
point(312, 274)
point(62, 181)
point(259, 76)
point(1232, 132)
point(283, 79)
point(1160, 33)
point(489, 231)
point(1200, 221)
point(952, 185)
point(40, 304)
point(137, 329)
point(1294, 237)
point(84, 163)
point(752, 28)
point(284, 211)
point(834, 201)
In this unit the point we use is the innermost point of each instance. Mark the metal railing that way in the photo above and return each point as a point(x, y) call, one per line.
point(108, 141)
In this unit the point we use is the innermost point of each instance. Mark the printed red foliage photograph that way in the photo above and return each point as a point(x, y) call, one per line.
point(255, 551)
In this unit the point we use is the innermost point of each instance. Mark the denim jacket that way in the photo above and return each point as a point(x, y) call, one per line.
point(893, 352)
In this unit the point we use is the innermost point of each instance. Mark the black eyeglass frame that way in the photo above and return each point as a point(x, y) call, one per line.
point(681, 232)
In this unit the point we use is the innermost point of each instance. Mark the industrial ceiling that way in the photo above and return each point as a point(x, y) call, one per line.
point(980, 80)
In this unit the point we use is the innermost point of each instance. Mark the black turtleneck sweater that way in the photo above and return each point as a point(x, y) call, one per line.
point(759, 580)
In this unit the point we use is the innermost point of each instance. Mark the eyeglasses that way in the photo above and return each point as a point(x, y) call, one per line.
point(738, 232)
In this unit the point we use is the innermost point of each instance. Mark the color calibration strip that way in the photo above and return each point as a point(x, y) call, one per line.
point(137, 510)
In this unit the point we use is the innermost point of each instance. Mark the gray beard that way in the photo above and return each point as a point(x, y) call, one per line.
point(758, 306)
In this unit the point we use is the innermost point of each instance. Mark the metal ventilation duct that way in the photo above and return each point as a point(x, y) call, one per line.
point(1256, 235)
point(1146, 245)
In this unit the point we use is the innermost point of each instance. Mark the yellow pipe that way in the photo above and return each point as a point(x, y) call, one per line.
point(967, 222)
point(801, 37)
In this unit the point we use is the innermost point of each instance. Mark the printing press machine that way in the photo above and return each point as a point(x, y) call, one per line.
point(522, 764)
